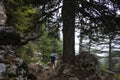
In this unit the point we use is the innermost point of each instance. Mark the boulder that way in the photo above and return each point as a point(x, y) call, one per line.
point(13, 67)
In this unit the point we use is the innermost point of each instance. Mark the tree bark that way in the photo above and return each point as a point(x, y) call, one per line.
point(110, 56)
point(89, 48)
point(80, 41)
point(68, 15)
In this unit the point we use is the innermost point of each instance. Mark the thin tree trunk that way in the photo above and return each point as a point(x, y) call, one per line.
point(89, 49)
point(80, 42)
point(68, 15)
point(110, 56)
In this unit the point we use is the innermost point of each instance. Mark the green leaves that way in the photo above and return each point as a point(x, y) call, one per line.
point(48, 45)
point(20, 14)
point(26, 52)
point(24, 16)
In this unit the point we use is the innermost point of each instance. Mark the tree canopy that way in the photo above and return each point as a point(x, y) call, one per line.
point(93, 16)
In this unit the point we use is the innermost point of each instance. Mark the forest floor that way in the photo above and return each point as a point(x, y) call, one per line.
point(68, 72)
point(41, 74)
point(85, 68)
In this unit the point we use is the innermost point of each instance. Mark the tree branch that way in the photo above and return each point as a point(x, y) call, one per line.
point(31, 38)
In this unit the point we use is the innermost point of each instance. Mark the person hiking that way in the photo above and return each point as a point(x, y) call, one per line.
point(53, 59)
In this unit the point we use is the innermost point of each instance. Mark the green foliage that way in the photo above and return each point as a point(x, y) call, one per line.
point(103, 69)
point(117, 65)
point(117, 77)
point(35, 59)
point(56, 45)
point(30, 49)
point(20, 14)
point(46, 45)
point(26, 52)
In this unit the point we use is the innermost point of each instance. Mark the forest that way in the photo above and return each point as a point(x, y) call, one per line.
point(31, 30)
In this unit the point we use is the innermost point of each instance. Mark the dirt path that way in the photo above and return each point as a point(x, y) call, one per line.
point(44, 75)
point(40, 74)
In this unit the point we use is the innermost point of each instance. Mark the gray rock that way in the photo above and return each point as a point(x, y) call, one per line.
point(19, 60)
point(2, 14)
point(73, 78)
point(1, 57)
point(12, 69)
point(67, 69)
point(2, 69)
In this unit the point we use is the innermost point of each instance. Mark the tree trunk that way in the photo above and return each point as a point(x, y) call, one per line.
point(80, 41)
point(89, 48)
point(68, 15)
point(110, 56)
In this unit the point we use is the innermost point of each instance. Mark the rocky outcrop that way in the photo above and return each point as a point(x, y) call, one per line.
point(12, 67)
point(2, 14)
point(8, 36)
point(86, 67)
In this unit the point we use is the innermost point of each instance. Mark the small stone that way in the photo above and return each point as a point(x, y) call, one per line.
point(2, 68)
point(66, 71)
point(73, 78)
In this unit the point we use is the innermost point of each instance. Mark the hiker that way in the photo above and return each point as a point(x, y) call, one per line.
point(53, 59)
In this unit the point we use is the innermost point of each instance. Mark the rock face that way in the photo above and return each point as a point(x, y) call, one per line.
point(7, 34)
point(13, 67)
point(2, 14)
